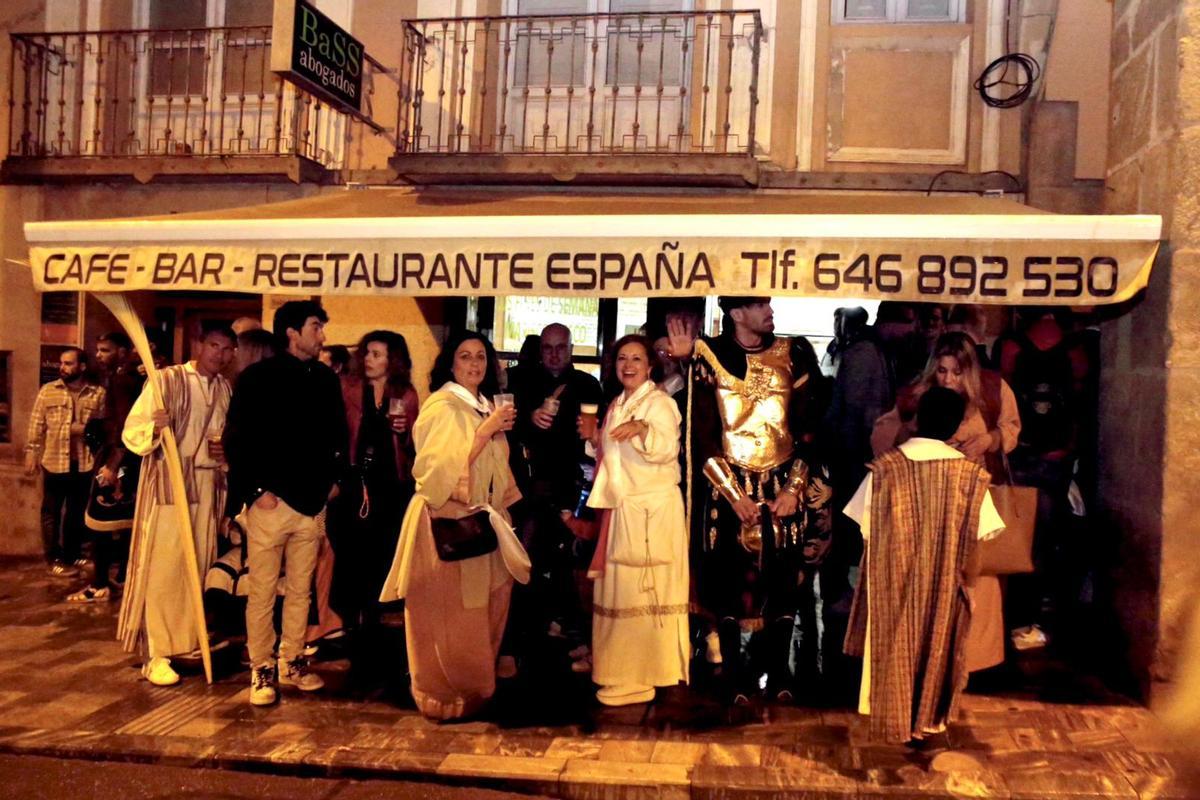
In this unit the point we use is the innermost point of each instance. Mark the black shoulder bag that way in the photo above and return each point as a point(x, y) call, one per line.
point(468, 537)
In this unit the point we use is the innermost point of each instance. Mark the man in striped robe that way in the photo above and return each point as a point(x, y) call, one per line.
point(922, 509)
point(157, 618)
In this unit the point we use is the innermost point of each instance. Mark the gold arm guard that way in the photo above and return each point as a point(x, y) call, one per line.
point(797, 481)
point(722, 478)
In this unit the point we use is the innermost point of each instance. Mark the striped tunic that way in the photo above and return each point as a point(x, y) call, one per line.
point(924, 519)
point(156, 592)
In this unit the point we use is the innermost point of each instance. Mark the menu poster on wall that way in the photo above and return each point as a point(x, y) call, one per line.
point(60, 318)
point(48, 366)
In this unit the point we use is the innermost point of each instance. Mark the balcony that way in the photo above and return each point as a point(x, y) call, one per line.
point(147, 104)
point(640, 97)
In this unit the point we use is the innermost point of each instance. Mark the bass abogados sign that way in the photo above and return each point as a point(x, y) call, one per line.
point(314, 52)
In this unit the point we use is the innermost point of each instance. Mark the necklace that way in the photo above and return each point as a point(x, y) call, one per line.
point(745, 346)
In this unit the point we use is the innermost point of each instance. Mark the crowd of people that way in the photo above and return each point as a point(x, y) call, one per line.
point(732, 511)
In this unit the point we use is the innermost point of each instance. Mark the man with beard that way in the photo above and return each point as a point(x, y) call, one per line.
point(55, 442)
point(109, 514)
point(746, 404)
point(157, 616)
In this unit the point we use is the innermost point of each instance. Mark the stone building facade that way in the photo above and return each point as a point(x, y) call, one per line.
point(823, 123)
point(1151, 355)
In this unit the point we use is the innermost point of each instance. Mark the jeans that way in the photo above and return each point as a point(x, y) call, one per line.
point(64, 497)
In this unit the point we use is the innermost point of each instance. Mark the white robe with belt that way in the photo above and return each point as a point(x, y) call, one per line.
point(640, 611)
point(157, 608)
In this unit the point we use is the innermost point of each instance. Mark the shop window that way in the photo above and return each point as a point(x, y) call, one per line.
point(520, 316)
point(812, 317)
point(593, 321)
point(885, 11)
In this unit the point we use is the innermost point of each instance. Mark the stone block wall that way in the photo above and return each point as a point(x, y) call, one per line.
point(1150, 393)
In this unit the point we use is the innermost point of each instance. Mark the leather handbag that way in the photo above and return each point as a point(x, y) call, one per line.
point(1011, 552)
point(466, 537)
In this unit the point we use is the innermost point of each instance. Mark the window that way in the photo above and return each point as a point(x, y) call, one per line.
point(884, 11)
point(660, 37)
point(812, 317)
point(558, 52)
point(247, 48)
point(177, 53)
point(551, 52)
point(188, 45)
point(520, 316)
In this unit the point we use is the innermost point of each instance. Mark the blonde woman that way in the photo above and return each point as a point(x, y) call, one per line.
point(989, 430)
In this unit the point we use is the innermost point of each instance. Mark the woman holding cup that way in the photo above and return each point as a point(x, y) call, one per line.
point(457, 598)
point(639, 619)
point(381, 406)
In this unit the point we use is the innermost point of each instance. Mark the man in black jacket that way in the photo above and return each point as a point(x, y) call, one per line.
point(285, 441)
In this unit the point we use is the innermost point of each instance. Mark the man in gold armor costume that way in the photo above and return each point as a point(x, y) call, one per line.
point(747, 399)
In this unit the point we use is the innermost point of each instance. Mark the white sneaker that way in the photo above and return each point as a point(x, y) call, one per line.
point(296, 673)
point(262, 685)
point(90, 594)
point(158, 671)
point(1029, 638)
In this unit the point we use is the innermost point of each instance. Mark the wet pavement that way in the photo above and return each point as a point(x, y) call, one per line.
point(68, 691)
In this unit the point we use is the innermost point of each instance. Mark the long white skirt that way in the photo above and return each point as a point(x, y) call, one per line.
point(640, 616)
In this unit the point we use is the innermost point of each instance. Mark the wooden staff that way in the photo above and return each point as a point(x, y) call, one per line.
point(120, 308)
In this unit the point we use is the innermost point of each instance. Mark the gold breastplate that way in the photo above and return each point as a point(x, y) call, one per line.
point(754, 409)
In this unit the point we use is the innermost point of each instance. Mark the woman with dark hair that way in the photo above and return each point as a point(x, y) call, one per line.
point(640, 608)
point(456, 602)
point(381, 407)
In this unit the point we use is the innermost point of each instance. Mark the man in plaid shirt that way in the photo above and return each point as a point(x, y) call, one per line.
point(55, 441)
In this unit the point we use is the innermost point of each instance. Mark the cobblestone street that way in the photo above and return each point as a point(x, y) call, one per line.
point(67, 691)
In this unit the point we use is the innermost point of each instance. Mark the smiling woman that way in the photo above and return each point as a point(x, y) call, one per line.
point(640, 624)
point(456, 607)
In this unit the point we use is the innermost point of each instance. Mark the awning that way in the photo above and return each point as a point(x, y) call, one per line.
point(462, 243)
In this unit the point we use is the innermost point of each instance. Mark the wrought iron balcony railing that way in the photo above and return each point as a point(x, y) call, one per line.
point(638, 83)
point(139, 93)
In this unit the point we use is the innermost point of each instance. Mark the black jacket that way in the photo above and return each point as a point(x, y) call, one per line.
point(285, 433)
point(554, 454)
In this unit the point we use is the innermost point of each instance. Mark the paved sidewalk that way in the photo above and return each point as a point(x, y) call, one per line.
point(67, 690)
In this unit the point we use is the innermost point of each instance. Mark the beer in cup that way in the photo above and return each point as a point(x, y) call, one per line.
point(550, 406)
point(502, 400)
point(215, 450)
point(587, 421)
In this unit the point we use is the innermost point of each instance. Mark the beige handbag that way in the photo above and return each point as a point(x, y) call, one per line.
point(1011, 552)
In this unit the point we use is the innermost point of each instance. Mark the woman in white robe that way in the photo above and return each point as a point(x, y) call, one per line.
point(455, 611)
point(640, 613)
